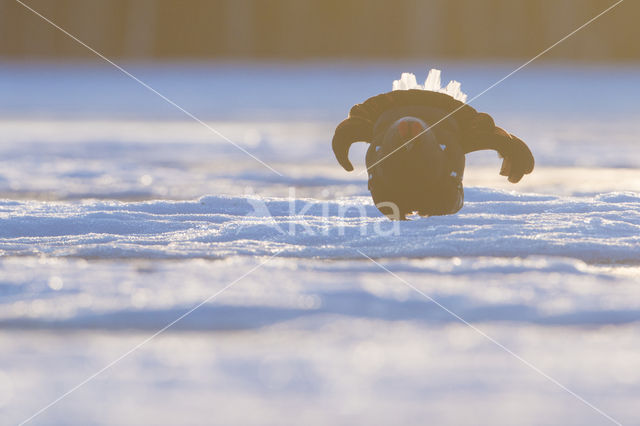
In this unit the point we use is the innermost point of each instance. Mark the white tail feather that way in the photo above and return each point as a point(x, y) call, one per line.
point(408, 81)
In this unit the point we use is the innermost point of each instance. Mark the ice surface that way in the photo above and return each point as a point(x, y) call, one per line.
point(408, 81)
point(343, 334)
point(145, 294)
point(117, 216)
point(334, 370)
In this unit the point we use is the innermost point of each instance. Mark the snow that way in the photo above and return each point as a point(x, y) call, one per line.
point(408, 81)
point(142, 294)
point(118, 215)
point(604, 228)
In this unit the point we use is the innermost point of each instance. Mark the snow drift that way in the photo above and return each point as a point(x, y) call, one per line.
point(602, 228)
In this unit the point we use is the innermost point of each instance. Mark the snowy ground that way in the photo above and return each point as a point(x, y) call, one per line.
point(118, 215)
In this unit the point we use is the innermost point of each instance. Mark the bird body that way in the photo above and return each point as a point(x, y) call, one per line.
point(418, 142)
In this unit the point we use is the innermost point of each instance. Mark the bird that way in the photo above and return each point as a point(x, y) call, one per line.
point(418, 140)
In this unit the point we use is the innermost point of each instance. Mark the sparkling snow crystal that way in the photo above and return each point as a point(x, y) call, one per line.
point(408, 81)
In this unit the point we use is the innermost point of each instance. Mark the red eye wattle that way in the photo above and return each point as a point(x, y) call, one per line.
point(409, 129)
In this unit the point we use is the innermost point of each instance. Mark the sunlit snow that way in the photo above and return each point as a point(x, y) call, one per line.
point(118, 214)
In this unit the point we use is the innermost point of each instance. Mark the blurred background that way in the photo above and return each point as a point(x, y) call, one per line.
point(308, 29)
point(276, 76)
